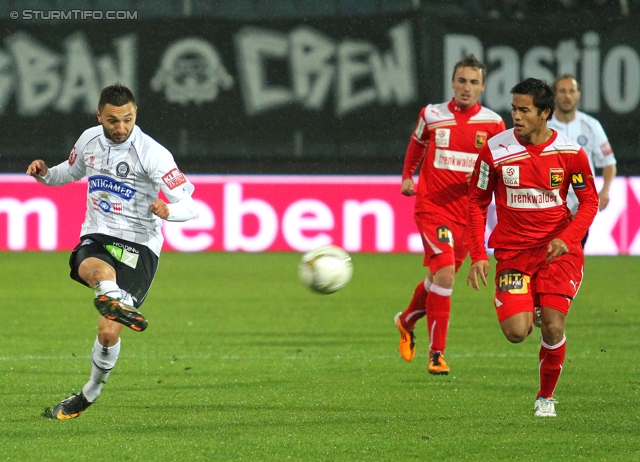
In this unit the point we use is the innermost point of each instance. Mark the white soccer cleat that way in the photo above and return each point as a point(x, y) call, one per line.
point(545, 407)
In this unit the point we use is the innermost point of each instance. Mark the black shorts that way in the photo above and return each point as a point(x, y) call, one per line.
point(135, 264)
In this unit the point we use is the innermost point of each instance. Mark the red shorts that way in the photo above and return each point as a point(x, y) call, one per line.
point(525, 280)
point(445, 242)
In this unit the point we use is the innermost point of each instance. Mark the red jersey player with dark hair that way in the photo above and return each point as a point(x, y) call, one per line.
point(447, 140)
point(537, 245)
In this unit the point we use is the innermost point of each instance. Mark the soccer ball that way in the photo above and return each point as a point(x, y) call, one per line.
point(326, 269)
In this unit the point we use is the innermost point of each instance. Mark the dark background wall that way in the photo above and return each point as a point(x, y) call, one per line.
point(297, 86)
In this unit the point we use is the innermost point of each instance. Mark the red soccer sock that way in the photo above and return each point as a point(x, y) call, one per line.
point(551, 361)
point(416, 309)
point(438, 309)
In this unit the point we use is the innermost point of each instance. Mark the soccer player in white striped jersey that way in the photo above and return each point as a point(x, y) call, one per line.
point(589, 134)
point(121, 238)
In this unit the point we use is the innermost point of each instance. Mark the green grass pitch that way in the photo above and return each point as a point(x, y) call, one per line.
point(241, 362)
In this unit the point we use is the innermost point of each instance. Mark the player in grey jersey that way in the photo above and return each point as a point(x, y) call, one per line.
point(121, 236)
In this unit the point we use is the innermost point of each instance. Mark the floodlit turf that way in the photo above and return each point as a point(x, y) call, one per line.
point(240, 362)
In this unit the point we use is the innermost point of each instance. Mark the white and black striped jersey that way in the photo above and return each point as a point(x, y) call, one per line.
point(123, 180)
point(589, 134)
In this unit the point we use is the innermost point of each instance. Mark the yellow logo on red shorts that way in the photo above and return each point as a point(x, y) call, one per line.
point(513, 282)
point(444, 235)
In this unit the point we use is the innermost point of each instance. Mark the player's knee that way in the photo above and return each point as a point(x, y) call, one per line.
point(517, 328)
point(94, 270)
point(108, 333)
point(552, 332)
point(515, 336)
point(445, 276)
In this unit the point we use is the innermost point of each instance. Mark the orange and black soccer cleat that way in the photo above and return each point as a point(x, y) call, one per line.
point(69, 408)
point(111, 308)
point(437, 366)
point(407, 345)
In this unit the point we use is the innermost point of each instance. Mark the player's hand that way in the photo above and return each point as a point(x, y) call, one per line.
point(556, 248)
point(480, 268)
point(604, 200)
point(160, 208)
point(37, 168)
point(408, 188)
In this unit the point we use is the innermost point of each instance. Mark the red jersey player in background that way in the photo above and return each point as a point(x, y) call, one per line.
point(537, 245)
point(451, 135)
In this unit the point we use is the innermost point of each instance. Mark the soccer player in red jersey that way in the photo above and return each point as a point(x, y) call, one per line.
point(536, 243)
point(447, 140)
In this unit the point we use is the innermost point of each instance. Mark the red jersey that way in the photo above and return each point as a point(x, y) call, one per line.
point(454, 136)
point(530, 183)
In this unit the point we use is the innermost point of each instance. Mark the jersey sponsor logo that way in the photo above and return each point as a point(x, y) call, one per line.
point(606, 149)
point(514, 282)
point(73, 156)
point(444, 235)
point(420, 128)
point(442, 137)
point(109, 185)
point(454, 160)
point(174, 178)
point(556, 177)
point(532, 198)
point(511, 175)
point(577, 181)
point(481, 139)
point(483, 175)
point(123, 255)
point(122, 170)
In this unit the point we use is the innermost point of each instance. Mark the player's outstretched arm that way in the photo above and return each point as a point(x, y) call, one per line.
point(37, 169)
point(479, 268)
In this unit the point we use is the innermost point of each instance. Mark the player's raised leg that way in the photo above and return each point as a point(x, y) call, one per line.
point(110, 300)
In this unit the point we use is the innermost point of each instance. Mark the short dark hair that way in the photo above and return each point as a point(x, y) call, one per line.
point(470, 61)
point(541, 92)
point(566, 77)
point(116, 95)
